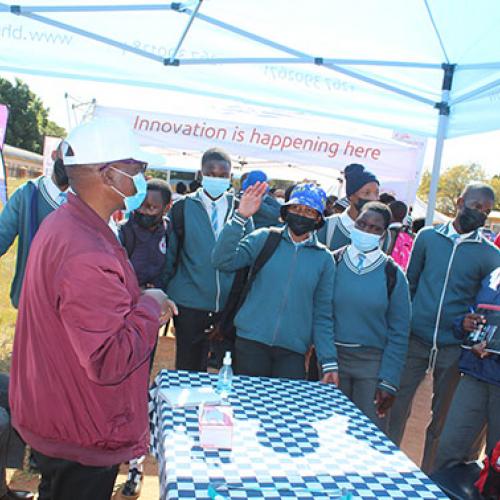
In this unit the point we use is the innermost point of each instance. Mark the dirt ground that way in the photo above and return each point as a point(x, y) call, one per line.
point(412, 443)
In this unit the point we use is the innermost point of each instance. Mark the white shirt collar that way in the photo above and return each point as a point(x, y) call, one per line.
point(346, 220)
point(300, 243)
point(52, 190)
point(452, 232)
point(221, 205)
point(370, 257)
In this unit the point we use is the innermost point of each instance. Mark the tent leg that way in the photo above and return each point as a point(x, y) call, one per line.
point(436, 168)
point(444, 116)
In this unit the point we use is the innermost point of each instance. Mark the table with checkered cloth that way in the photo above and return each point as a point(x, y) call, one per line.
point(292, 439)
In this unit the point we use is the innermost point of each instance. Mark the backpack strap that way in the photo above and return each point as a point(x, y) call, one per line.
point(128, 238)
point(331, 224)
point(177, 219)
point(33, 212)
point(338, 254)
point(270, 246)
point(391, 275)
point(393, 235)
point(272, 241)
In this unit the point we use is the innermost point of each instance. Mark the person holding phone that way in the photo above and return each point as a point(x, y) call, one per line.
point(476, 403)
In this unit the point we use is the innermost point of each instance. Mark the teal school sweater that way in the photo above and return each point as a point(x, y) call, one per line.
point(195, 282)
point(444, 279)
point(290, 302)
point(21, 217)
point(364, 316)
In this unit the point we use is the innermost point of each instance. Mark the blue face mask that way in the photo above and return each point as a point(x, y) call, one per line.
point(135, 201)
point(215, 186)
point(364, 242)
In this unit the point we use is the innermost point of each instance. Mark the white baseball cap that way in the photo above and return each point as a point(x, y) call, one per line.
point(103, 140)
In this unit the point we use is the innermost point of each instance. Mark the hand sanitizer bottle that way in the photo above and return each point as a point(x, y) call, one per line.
point(225, 380)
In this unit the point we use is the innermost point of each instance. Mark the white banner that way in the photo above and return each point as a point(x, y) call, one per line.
point(395, 163)
point(50, 145)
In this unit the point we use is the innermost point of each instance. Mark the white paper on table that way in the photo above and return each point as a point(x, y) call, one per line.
point(189, 396)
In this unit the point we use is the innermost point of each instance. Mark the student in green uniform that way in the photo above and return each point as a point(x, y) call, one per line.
point(371, 309)
point(362, 186)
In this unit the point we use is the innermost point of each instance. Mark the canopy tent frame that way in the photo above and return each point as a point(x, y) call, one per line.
point(297, 57)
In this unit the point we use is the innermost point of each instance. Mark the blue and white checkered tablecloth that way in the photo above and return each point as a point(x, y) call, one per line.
point(292, 439)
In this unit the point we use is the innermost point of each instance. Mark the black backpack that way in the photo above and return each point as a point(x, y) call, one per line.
point(391, 269)
point(242, 284)
point(177, 225)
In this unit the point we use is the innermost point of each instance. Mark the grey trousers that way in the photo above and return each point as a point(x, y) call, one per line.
point(475, 408)
point(445, 380)
point(358, 373)
point(11, 446)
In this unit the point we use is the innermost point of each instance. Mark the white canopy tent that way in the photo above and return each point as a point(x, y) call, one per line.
point(428, 67)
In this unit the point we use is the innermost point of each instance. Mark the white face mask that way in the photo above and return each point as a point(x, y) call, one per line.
point(215, 186)
point(364, 242)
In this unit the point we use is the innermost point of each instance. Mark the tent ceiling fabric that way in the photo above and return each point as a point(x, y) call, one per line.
point(377, 63)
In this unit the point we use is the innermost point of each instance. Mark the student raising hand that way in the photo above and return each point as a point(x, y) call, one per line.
point(251, 199)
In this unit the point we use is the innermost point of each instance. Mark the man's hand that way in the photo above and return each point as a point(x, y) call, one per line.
point(167, 306)
point(472, 321)
point(331, 378)
point(251, 199)
point(480, 350)
point(383, 401)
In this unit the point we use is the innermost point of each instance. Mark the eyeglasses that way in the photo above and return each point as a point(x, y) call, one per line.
point(142, 166)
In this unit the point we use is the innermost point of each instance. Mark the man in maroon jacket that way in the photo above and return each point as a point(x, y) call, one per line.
point(85, 331)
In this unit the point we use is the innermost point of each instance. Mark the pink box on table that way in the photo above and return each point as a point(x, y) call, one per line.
point(216, 426)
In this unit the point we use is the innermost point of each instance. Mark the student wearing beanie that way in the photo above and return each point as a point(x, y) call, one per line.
point(371, 310)
point(269, 212)
point(289, 305)
point(362, 186)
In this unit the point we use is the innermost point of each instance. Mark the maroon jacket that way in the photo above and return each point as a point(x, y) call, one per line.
point(84, 334)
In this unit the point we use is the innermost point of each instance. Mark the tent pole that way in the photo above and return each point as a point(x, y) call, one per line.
point(444, 116)
point(436, 168)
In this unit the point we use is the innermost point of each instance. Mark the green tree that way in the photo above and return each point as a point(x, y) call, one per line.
point(495, 184)
point(28, 117)
point(451, 184)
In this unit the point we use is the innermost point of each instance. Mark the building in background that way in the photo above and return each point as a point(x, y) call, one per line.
point(21, 163)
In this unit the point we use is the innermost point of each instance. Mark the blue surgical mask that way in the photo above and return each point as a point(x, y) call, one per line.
point(215, 186)
point(141, 187)
point(364, 242)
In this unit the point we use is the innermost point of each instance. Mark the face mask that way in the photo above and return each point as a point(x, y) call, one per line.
point(364, 242)
point(147, 221)
point(361, 203)
point(299, 224)
point(141, 186)
point(215, 186)
point(61, 178)
point(471, 219)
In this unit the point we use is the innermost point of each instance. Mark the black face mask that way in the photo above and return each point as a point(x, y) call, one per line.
point(60, 173)
point(299, 224)
point(147, 221)
point(361, 203)
point(470, 219)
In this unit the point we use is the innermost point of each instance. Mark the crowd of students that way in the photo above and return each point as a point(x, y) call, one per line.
point(331, 294)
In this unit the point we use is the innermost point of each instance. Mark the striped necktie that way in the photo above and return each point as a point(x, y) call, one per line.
point(361, 261)
point(62, 198)
point(214, 218)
